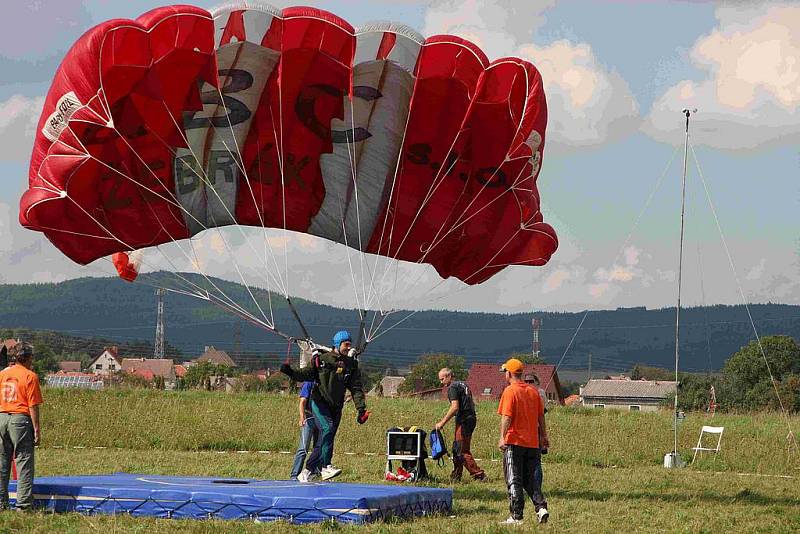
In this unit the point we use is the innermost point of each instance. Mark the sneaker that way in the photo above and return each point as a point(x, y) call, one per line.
point(330, 472)
point(306, 476)
point(511, 521)
point(542, 515)
point(482, 478)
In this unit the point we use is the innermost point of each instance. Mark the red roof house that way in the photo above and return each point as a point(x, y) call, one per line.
point(70, 366)
point(150, 368)
point(487, 382)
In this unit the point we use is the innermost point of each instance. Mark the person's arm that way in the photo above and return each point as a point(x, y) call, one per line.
point(449, 415)
point(303, 403)
point(545, 440)
point(357, 390)
point(505, 424)
point(37, 434)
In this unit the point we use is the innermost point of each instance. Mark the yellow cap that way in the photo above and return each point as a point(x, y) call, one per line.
point(513, 366)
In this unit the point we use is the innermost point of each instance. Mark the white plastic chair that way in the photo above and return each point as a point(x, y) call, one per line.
point(708, 430)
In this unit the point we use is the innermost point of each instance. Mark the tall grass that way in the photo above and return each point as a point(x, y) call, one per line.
point(198, 421)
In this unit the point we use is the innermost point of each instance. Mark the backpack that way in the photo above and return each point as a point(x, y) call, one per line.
point(438, 447)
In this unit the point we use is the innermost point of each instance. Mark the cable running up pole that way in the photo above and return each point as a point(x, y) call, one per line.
point(676, 461)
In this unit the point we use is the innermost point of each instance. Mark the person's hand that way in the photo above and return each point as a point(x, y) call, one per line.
point(438, 426)
point(37, 438)
point(362, 417)
point(286, 369)
point(501, 444)
point(545, 442)
point(302, 421)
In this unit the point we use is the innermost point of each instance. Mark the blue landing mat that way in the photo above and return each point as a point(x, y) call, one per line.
point(205, 498)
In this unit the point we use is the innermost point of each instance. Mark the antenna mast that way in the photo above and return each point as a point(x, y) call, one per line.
point(158, 351)
point(675, 460)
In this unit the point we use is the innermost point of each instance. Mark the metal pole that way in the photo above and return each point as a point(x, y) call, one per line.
point(687, 113)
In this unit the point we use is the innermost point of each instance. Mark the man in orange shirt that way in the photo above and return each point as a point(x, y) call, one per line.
point(20, 398)
point(522, 434)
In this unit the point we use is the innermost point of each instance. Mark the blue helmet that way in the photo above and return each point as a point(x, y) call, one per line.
point(340, 337)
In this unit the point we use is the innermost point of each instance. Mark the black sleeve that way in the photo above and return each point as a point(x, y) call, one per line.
point(453, 394)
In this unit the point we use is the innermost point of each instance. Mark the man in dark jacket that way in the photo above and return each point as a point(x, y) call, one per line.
point(463, 408)
point(334, 373)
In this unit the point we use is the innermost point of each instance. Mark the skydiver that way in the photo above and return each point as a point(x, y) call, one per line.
point(333, 372)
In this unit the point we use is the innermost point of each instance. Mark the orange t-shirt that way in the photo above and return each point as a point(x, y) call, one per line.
point(19, 390)
point(521, 402)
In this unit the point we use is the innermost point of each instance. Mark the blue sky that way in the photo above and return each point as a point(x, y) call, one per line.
point(616, 74)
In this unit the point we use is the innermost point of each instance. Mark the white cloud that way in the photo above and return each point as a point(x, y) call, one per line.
point(757, 271)
point(19, 116)
point(588, 103)
point(750, 95)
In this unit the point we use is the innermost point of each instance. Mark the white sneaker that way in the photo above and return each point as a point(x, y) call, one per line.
point(511, 521)
point(543, 515)
point(306, 476)
point(330, 472)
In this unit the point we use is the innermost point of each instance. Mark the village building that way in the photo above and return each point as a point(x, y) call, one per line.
point(487, 382)
point(70, 366)
point(630, 395)
point(149, 368)
point(107, 363)
point(215, 356)
point(388, 386)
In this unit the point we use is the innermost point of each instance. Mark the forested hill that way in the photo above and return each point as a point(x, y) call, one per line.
point(111, 309)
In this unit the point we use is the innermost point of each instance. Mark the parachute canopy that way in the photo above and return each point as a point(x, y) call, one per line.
point(416, 149)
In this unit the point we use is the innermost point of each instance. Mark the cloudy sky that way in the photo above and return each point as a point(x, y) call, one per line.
point(617, 75)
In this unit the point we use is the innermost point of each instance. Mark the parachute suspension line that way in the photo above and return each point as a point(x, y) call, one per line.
point(351, 153)
point(281, 154)
point(123, 243)
point(412, 313)
point(204, 177)
point(395, 179)
point(790, 437)
point(175, 203)
point(240, 164)
point(306, 335)
point(688, 113)
point(436, 240)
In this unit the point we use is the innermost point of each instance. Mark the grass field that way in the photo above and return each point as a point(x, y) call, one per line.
point(603, 473)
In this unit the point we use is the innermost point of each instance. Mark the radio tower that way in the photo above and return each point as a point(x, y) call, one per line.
point(158, 352)
point(537, 324)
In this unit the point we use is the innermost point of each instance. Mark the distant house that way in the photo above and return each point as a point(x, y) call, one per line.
point(389, 386)
point(572, 400)
point(149, 368)
point(487, 382)
point(180, 371)
point(10, 344)
point(216, 356)
point(108, 362)
point(70, 366)
point(632, 395)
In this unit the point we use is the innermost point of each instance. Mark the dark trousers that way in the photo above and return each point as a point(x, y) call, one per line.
point(462, 455)
point(519, 466)
point(327, 421)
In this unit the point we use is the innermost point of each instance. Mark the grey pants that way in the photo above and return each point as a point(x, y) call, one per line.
point(16, 432)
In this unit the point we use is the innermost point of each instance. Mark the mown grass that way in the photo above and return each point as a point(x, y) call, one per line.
point(603, 473)
point(197, 421)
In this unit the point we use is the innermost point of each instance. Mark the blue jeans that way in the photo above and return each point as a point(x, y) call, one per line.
point(308, 433)
point(327, 420)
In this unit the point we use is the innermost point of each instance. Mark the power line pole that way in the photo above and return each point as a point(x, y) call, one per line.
point(535, 345)
point(590, 368)
point(158, 351)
